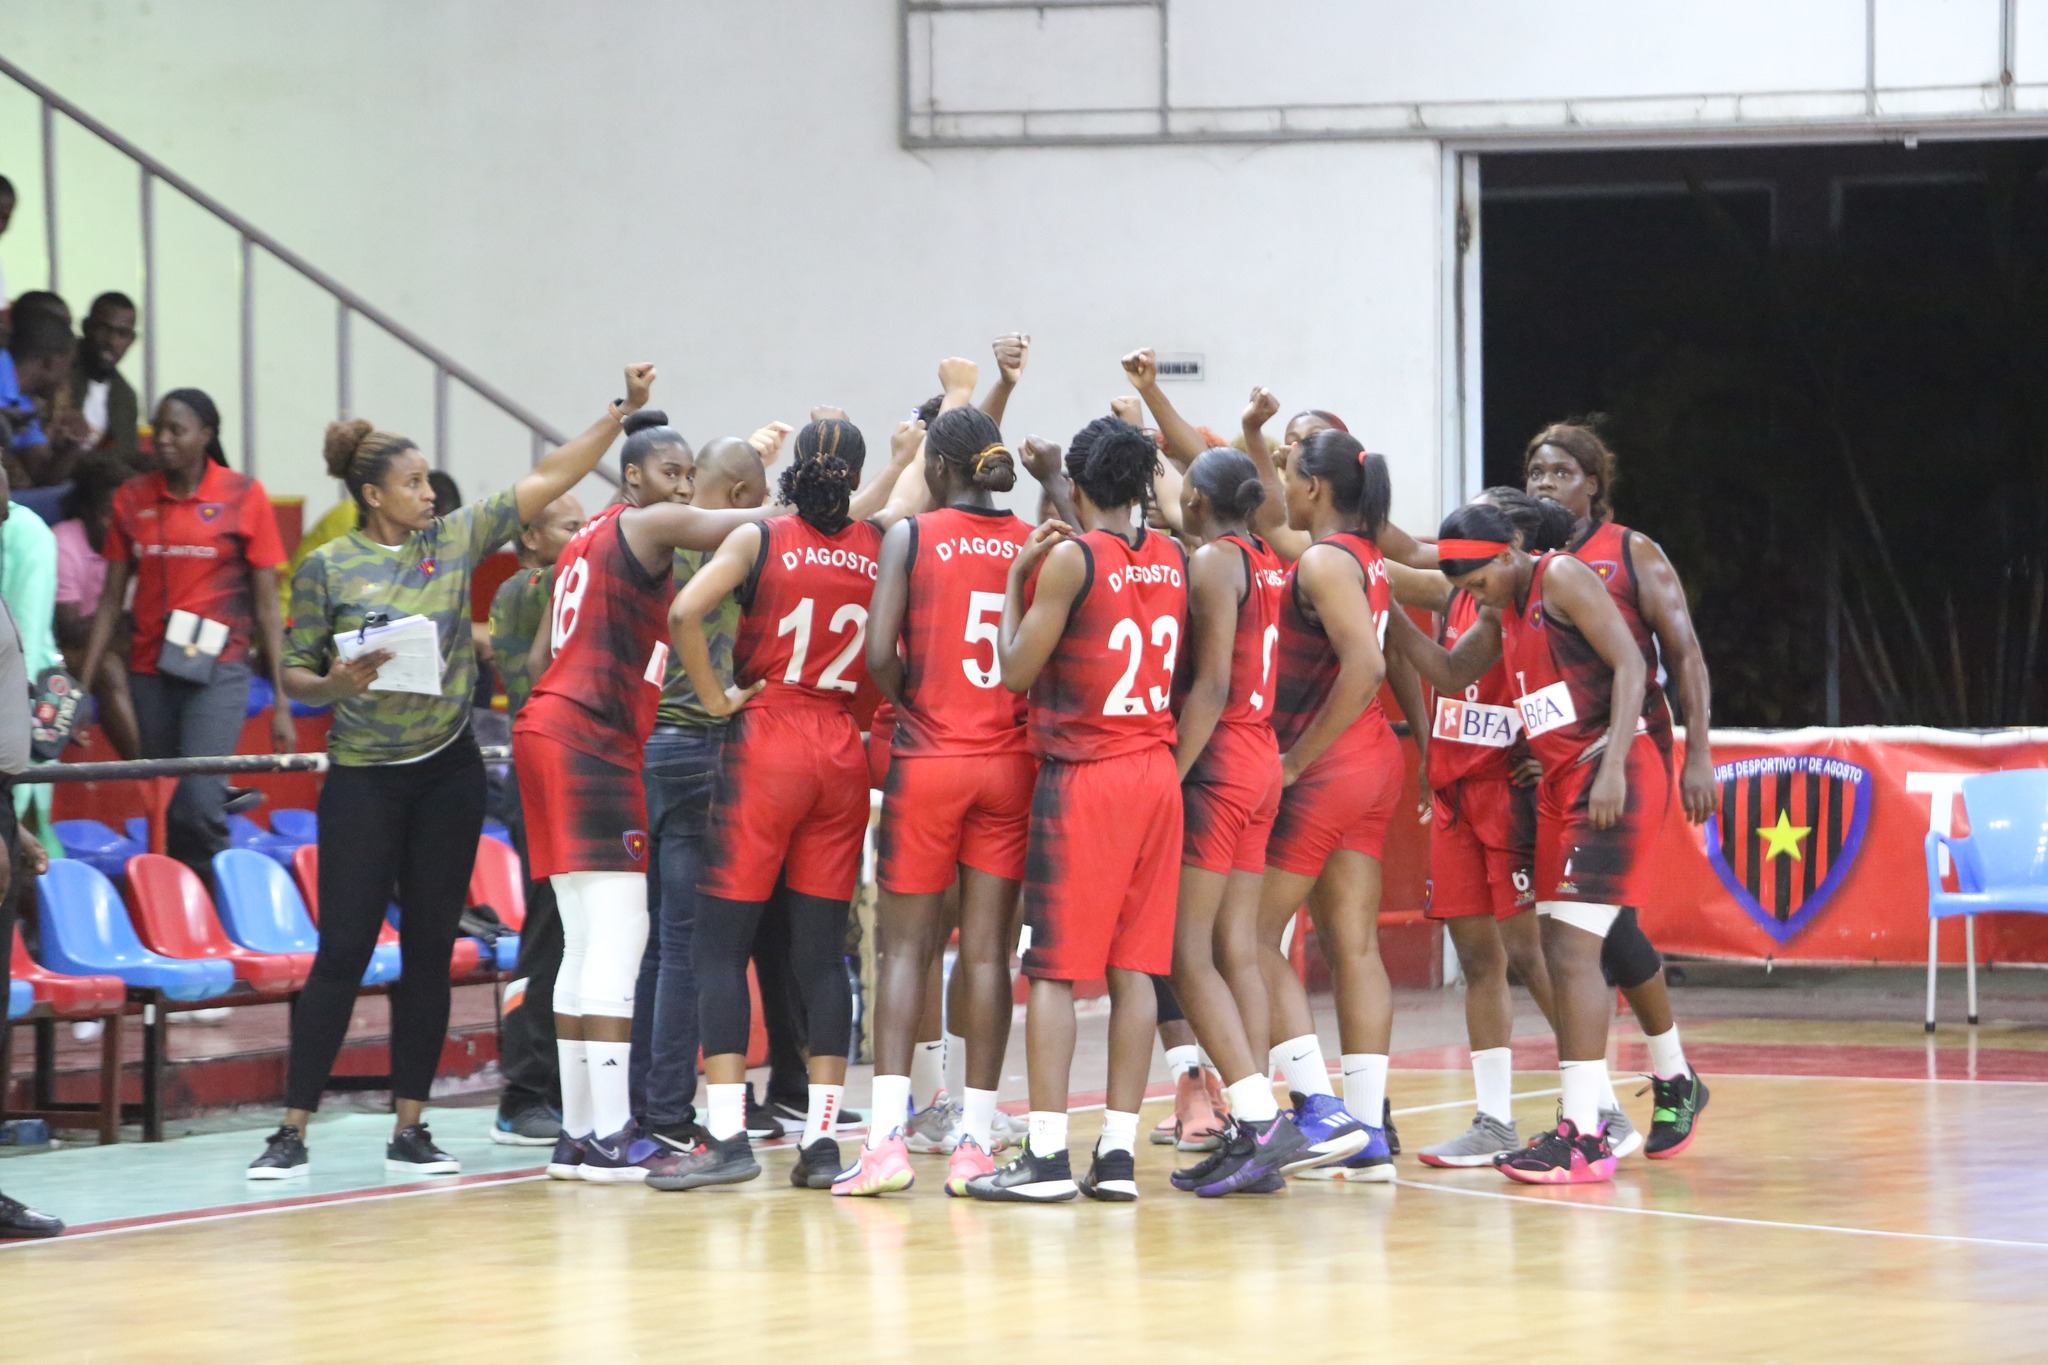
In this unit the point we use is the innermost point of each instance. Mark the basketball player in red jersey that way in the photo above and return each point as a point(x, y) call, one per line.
point(578, 747)
point(1569, 463)
point(1095, 647)
point(958, 800)
point(1343, 770)
point(790, 799)
point(1578, 680)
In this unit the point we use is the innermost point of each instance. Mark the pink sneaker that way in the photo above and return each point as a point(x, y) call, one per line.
point(968, 1162)
point(880, 1170)
point(1562, 1157)
point(1198, 1109)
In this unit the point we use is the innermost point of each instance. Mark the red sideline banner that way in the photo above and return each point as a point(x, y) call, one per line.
point(1817, 850)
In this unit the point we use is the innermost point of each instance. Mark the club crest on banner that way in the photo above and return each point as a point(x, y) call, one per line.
point(1786, 833)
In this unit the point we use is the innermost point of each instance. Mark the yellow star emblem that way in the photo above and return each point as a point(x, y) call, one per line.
point(1784, 837)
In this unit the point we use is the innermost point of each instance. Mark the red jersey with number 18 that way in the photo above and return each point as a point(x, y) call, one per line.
point(608, 618)
point(1108, 687)
point(804, 612)
point(1309, 667)
point(954, 701)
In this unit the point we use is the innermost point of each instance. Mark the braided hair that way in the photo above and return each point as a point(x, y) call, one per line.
point(1112, 462)
point(968, 441)
point(820, 481)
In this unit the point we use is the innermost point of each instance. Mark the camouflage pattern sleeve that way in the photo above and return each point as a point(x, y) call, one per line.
point(308, 641)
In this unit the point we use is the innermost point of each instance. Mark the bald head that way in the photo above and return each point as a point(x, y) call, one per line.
point(542, 541)
point(729, 474)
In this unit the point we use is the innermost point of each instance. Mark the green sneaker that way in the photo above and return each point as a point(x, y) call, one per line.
point(1676, 1115)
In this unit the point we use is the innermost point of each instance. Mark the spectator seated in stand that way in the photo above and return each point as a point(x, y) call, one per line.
point(33, 372)
point(102, 395)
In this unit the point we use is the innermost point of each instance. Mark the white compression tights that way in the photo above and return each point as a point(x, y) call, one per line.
point(604, 933)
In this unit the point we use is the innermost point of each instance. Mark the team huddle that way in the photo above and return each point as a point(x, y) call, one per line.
point(1139, 737)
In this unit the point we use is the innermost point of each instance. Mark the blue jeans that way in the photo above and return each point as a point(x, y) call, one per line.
point(679, 768)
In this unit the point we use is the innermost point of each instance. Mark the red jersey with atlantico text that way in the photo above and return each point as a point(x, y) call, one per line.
point(1308, 666)
point(1255, 648)
point(1471, 736)
point(1605, 551)
point(954, 701)
point(1108, 687)
point(608, 619)
point(804, 612)
point(1563, 688)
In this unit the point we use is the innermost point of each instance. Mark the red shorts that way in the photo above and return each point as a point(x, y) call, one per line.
point(1574, 861)
point(1480, 863)
point(583, 814)
point(1343, 802)
point(1104, 870)
point(880, 740)
point(1231, 797)
point(790, 800)
point(943, 811)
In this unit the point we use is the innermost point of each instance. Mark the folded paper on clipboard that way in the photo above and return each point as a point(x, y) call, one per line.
point(415, 645)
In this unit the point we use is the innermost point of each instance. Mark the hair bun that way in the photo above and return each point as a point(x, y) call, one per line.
point(344, 439)
point(644, 419)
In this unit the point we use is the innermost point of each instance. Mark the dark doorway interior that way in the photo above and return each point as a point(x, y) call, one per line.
point(1825, 373)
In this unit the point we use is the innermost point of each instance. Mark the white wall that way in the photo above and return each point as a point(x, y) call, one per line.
point(549, 190)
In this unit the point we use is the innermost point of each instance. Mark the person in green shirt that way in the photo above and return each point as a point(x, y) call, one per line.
point(403, 802)
point(521, 602)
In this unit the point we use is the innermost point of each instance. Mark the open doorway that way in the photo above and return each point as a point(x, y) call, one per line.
point(1824, 371)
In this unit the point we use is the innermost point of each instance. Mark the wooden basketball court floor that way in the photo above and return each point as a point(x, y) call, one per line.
point(1854, 1193)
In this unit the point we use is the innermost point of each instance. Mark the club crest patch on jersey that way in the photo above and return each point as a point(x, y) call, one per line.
point(428, 567)
point(636, 844)
point(1786, 833)
point(1606, 568)
point(208, 511)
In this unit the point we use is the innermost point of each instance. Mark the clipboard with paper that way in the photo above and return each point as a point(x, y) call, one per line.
point(415, 646)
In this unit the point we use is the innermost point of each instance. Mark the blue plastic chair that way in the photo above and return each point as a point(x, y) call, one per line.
point(21, 998)
point(262, 910)
point(246, 833)
point(295, 825)
point(2001, 864)
point(93, 843)
point(86, 932)
point(494, 830)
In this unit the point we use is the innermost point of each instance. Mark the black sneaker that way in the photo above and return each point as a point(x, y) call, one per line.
point(19, 1220)
point(1258, 1151)
point(1030, 1179)
point(412, 1152)
point(817, 1166)
point(1112, 1177)
point(1387, 1126)
point(796, 1116)
point(284, 1156)
point(1231, 1150)
point(1675, 1119)
point(716, 1163)
point(762, 1125)
point(682, 1137)
point(534, 1126)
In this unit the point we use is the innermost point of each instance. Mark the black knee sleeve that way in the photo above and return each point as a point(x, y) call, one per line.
point(724, 937)
point(1628, 958)
point(817, 951)
point(1169, 1003)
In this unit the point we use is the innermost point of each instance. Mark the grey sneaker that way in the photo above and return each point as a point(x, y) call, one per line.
point(1622, 1136)
point(534, 1126)
point(935, 1129)
point(1009, 1130)
point(1478, 1145)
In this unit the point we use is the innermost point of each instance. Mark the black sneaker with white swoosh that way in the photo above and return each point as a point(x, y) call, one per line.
point(412, 1152)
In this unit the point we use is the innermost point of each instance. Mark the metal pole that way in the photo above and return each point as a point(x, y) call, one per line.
point(1165, 54)
point(2008, 45)
point(540, 447)
point(440, 418)
point(148, 292)
point(248, 357)
point(50, 190)
point(342, 396)
point(1870, 57)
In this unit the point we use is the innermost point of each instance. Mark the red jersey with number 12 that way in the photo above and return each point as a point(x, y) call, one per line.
point(608, 623)
point(954, 701)
point(1308, 666)
point(1565, 689)
point(1471, 736)
point(1108, 687)
point(804, 617)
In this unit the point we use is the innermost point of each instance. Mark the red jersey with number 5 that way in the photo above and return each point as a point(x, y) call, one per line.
point(954, 701)
point(1471, 736)
point(1563, 688)
point(1308, 666)
point(1108, 687)
point(607, 621)
point(1255, 648)
point(804, 612)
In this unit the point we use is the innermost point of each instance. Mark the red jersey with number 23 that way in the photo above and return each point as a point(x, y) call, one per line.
point(608, 621)
point(1471, 736)
point(954, 701)
point(804, 621)
point(1108, 687)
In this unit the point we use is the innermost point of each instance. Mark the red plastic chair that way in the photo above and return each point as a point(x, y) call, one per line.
point(465, 960)
point(73, 997)
point(497, 880)
point(174, 916)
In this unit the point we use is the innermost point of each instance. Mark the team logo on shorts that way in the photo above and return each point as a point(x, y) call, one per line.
point(1606, 568)
point(1787, 832)
point(636, 844)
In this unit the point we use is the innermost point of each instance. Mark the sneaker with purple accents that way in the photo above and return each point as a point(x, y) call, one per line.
point(621, 1159)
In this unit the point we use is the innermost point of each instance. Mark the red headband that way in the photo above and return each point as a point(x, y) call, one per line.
point(1448, 551)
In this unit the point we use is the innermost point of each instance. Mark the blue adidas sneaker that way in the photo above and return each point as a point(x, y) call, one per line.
point(1331, 1131)
point(1372, 1163)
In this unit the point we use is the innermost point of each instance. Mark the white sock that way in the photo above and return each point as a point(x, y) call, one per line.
point(1251, 1099)
point(1493, 1074)
point(571, 1054)
point(1206, 1062)
point(1365, 1086)
point(892, 1104)
point(611, 1102)
point(927, 1073)
point(1584, 1085)
point(1667, 1058)
point(1181, 1060)
point(727, 1108)
point(823, 1112)
point(978, 1117)
point(1048, 1132)
point(1119, 1132)
point(1302, 1066)
point(956, 1066)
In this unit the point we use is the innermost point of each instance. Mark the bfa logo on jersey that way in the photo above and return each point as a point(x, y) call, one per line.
point(1787, 832)
point(1606, 568)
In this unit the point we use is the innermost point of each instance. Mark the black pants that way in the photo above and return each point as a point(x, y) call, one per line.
point(413, 827)
point(526, 1040)
point(19, 884)
point(782, 1006)
point(816, 955)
